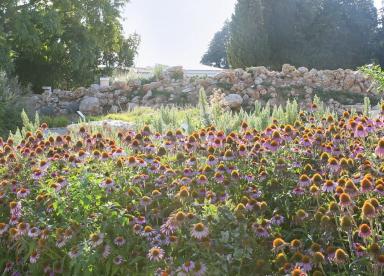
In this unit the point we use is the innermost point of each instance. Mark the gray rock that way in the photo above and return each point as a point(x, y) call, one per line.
point(147, 96)
point(234, 101)
point(114, 109)
point(90, 106)
point(258, 80)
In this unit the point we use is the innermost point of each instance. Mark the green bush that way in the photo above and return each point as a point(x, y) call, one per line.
point(56, 121)
point(10, 109)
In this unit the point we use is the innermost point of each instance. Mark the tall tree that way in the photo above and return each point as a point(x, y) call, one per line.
point(216, 54)
point(248, 43)
point(62, 43)
point(323, 34)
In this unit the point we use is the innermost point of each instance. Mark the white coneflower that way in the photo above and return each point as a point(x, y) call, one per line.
point(118, 260)
point(96, 239)
point(155, 254)
point(199, 231)
point(34, 257)
point(74, 252)
point(33, 232)
point(119, 241)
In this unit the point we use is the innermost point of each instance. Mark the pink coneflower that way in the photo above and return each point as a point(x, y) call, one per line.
point(200, 269)
point(22, 228)
point(3, 228)
point(168, 228)
point(119, 241)
point(277, 219)
point(145, 201)
point(8, 266)
point(340, 257)
point(304, 180)
point(74, 252)
point(118, 260)
point(366, 185)
point(15, 208)
point(333, 164)
point(345, 200)
point(188, 266)
point(359, 249)
point(34, 257)
point(185, 180)
point(106, 251)
point(305, 264)
point(140, 220)
point(107, 183)
point(360, 131)
point(298, 191)
point(212, 161)
point(329, 186)
point(23, 193)
point(60, 242)
point(148, 231)
point(260, 231)
point(33, 232)
point(155, 254)
point(96, 239)
point(364, 231)
point(202, 179)
point(199, 231)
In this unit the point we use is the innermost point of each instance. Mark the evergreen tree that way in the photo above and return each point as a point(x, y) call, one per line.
point(216, 54)
point(248, 43)
point(322, 34)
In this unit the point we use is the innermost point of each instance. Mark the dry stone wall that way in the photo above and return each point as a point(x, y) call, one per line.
point(241, 88)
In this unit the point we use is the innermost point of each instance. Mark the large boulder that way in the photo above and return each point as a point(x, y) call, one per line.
point(233, 101)
point(90, 106)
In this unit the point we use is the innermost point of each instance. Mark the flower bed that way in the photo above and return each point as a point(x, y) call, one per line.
point(292, 199)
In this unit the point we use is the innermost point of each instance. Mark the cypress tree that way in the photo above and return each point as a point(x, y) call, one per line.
point(248, 45)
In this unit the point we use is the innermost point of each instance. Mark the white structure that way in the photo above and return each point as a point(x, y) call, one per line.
point(104, 81)
point(200, 71)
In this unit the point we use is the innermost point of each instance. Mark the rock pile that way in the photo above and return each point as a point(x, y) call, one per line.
point(241, 88)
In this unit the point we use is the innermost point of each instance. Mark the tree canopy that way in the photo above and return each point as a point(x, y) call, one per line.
point(216, 54)
point(62, 43)
point(322, 34)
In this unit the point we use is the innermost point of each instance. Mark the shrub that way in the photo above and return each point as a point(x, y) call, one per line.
point(10, 109)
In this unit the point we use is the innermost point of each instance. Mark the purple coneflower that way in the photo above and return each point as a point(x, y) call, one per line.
point(119, 241)
point(155, 254)
point(199, 231)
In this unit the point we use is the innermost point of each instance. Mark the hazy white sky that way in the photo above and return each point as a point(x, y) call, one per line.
point(176, 32)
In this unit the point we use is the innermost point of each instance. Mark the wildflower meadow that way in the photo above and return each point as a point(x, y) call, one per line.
point(290, 199)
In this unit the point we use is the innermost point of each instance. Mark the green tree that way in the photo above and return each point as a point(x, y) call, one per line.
point(322, 34)
point(248, 43)
point(216, 54)
point(62, 43)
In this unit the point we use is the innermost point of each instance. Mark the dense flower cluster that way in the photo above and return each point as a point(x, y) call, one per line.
point(292, 199)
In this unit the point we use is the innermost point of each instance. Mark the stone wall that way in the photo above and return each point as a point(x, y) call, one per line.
point(241, 88)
